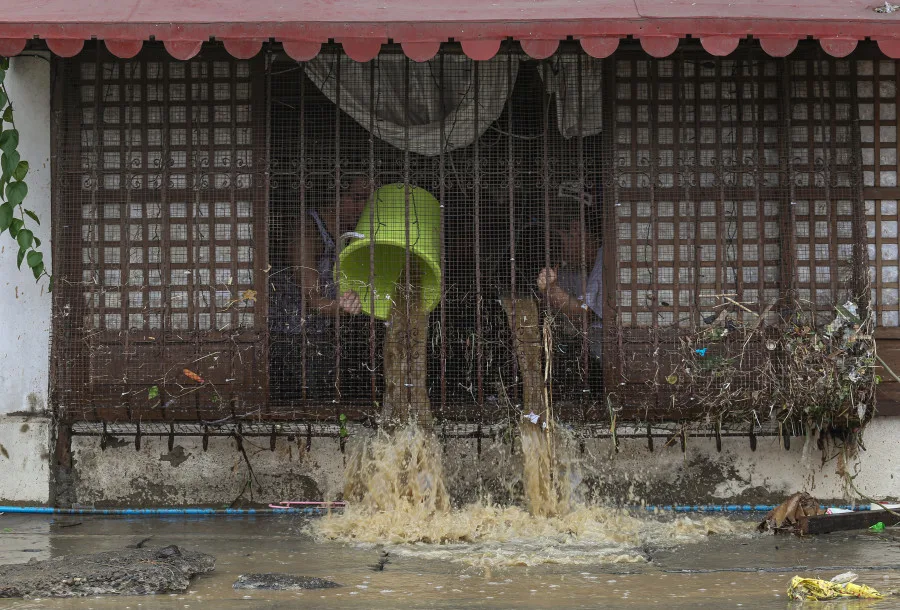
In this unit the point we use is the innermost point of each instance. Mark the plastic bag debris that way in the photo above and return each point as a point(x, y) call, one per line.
point(845, 577)
point(878, 527)
point(814, 589)
point(785, 516)
point(837, 511)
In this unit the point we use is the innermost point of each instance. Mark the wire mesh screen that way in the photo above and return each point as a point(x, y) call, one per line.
point(451, 240)
point(160, 216)
point(472, 155)
point(737, 212)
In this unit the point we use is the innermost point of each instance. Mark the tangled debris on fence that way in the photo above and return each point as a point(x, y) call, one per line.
point(800, 373)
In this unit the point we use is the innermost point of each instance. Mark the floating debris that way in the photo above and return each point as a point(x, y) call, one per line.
point(814, 589)
point(786, 516)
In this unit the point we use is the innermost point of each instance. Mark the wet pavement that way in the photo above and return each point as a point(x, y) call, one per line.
point(723, 571)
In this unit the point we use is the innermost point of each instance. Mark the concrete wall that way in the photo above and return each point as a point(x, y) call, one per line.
point(25, 305)
point(188, 475)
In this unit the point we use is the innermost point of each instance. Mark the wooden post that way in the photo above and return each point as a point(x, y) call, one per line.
point(860, 520)
point(528, 348)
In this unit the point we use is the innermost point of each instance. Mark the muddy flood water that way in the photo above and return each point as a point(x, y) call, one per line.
point(402, 543)
point(738, 568)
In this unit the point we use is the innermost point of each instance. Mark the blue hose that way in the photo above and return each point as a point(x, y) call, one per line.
point(726, 508)
point(155, 512)
point(313, 511)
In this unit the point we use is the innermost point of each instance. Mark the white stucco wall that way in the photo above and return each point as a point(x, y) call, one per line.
point(25, 305)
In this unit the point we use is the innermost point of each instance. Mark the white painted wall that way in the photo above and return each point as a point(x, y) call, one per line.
point(25, 305)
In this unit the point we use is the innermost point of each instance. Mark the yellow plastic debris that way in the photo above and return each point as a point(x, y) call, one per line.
point(814, 589)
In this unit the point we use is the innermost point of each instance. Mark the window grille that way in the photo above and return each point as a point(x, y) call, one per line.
point(185, 192)
point(160, 213)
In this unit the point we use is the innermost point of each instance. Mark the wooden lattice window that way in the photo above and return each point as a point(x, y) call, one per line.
point(878, 99)
point(161, 198)
point(697, 185)
point(734, 181)
point(824, 174)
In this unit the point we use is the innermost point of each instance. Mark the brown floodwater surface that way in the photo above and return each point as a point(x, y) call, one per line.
point(727, 570)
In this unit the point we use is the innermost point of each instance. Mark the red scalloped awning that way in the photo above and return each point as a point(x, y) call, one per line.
point(421, 25)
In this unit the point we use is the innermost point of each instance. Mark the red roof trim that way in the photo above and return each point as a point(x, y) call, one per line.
point(11, 46)
point(363, 50)
point(720, 45)
point(421, 51)
point(778, 47)
point(600, 46)
point(418, 25)
point(539, 49)
point(126, 49)
point(301, 50)
point(430, 32)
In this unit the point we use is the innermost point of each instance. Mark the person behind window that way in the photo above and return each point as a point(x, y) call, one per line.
point(317, 254)
point(564, 284)
point(309, 275)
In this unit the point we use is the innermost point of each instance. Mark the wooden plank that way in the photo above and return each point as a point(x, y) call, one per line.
point(881, 192)
point(824, 524)
point(886, 333)
point(888, 393)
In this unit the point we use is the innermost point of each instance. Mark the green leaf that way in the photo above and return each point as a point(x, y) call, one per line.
point(9, 140)
point(153, 392)
point(38, 271)
point(5, 67)
point(25, 239)
point(37, 243)
point(50, 285)
point(3, 98)
point(6, 216)
point(9, 162)
point(34, 258)
point(7, 114)
point(15, 226)
point(16, 192)
point(4, 63)
point(20, 257)
point(31, 214)
point(20, 170)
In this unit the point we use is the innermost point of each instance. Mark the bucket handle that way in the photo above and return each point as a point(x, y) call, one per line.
point(343, 239)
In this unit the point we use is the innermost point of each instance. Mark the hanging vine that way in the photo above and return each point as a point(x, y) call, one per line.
point(14, 189)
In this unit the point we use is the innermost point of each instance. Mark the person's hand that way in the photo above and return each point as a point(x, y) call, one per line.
point(349, 303)
point(546, 278)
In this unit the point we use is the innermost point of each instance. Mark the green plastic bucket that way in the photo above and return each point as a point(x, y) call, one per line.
point(389, 237)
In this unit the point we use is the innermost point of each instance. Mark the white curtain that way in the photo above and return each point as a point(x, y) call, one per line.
point(561, 80)
point(434, 94)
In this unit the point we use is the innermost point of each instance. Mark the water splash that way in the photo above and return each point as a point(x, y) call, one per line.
point(549, 473)
point(397, 495)
point(398, 472)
